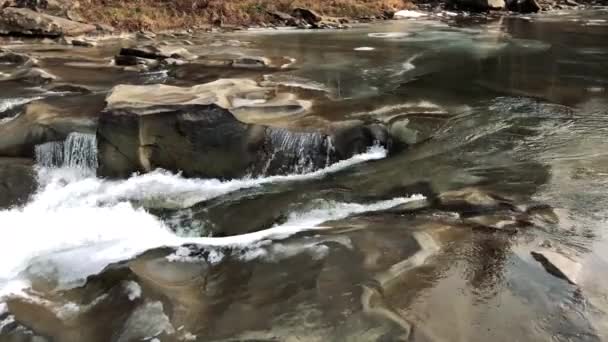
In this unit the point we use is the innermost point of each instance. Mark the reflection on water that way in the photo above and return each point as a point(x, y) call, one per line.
point(501, 126)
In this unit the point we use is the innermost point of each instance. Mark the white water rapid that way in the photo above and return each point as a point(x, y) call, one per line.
point(76, 224)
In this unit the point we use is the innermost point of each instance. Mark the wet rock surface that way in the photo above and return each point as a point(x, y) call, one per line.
point(559, 265)
point(17, 183)
point(149, 127)
point(273, 219)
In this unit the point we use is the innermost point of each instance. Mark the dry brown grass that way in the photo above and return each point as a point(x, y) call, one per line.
point(174, 14)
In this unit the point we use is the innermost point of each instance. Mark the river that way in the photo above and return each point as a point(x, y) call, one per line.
point(503, 123)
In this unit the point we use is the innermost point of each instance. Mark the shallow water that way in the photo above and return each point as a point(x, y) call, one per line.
point(516, 107)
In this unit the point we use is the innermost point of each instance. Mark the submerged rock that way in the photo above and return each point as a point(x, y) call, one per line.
point(558, 265)
point(24, 21)
point(472, 199)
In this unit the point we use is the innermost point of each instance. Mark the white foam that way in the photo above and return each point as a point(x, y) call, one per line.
point(74, 218)
point(161, 188)
point(133, 290)
point(405, 14)
point(365, 48)
point(6, 104)
point(595, 89)
point(297, 222)
point(389, 34)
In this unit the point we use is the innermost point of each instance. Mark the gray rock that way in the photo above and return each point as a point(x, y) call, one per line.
point(558, 265)
point(17, 181)
point(25, 21)
point(158, 52)
point(84, 43)
point(200, 140)
point(203, 131)
point(251, 62)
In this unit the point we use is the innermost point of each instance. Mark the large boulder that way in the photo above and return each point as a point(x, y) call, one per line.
point(198, 139)
point(24, 21)
point(203, 131)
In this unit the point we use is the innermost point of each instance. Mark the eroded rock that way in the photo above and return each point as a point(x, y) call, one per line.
point(209, 130)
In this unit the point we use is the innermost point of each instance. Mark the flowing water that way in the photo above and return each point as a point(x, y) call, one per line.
point(510, 112)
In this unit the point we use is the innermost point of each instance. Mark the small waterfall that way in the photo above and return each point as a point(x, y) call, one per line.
point(297, 152)
point(78, 151)
point(50, 154)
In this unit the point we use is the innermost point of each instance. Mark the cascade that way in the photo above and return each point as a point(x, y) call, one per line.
point(78, 150)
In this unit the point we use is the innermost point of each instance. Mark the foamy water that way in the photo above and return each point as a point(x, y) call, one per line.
point(7, 104)
point(75, 224)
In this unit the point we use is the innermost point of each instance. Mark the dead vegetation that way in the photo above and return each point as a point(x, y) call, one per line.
point(173, 14)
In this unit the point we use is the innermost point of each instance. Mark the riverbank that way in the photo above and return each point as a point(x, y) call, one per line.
point(49, 18)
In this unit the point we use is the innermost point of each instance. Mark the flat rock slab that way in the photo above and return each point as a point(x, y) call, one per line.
point(23, 21)
point(245, 98)
point(559, 265)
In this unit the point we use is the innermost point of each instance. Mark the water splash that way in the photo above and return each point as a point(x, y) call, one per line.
point(297, 153)
point(74, 217)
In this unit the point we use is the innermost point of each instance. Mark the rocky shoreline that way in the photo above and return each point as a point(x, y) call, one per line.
point(60, 18)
